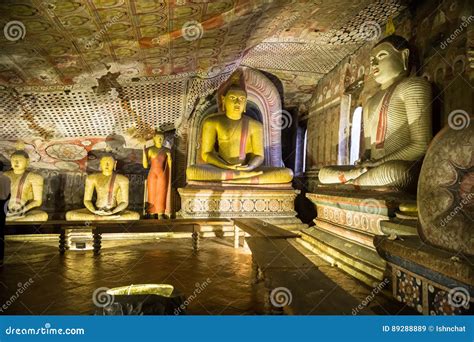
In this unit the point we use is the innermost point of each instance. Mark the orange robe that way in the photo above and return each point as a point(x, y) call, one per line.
point(159, 185)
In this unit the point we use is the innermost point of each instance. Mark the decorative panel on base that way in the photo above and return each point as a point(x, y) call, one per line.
point(276, 205)
point(430, 280)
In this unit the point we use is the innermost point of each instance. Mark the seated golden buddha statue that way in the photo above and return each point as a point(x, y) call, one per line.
point(397, 124)
point(239, 154)
point(26, 190)
point(112, 196)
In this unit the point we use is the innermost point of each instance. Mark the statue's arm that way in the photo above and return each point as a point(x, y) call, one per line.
point(145, 157)
point(124, 184)
point(417, 97)
point(208, 153)
point(257, 157)
point(37, 183)
point(365, 153)
point(88, 192)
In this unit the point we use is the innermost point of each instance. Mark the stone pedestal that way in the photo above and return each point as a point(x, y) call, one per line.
point(432, 281)
point(346, 224)
point(274, 205)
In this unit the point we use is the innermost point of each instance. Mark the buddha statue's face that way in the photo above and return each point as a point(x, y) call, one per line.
point(235, 101)
point(387, 63)
point(158, 140)
point(107, 165)
point(19, 163)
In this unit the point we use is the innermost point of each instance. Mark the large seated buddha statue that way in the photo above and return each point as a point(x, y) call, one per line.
point(397, 124)
point(26, 191)
point(232, 147)
point(112, 196)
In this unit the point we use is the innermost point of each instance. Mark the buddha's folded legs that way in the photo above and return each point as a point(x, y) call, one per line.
point(339, 174)
point(32, 215)
point(86, 215)
point(397, 173)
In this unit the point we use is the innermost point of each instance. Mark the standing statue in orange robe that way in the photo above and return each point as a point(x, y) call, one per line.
point(158, 159)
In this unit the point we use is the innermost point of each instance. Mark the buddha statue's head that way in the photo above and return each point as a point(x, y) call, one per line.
point(234, 102)
point(158, 139)
point(389, 59)
point(107, 164)
point(20, 161)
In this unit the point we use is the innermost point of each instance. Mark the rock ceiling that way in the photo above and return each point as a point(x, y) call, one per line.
point(61, 59)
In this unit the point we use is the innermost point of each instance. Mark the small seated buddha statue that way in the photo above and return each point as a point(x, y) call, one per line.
point(26, 190)
point(112, 195)
point(239, 155)
point(397, 124)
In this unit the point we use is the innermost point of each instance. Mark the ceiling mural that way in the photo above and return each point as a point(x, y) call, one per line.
point(71, 69)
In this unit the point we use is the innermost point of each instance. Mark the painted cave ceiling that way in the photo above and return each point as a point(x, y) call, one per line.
point(66, 65)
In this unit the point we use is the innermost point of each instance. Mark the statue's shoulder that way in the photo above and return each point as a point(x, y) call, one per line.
point(413, 82)
point(214, 118)
point(413, 86)
point(121, 178)
point(254, 123)
point(8, 174)
point(35, 176)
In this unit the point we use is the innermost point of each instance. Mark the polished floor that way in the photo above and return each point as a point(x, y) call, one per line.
point(65, 285)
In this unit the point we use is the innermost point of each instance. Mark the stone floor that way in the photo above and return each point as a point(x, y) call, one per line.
point(65, 285)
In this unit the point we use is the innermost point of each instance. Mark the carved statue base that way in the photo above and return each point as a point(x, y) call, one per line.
point(346, 225)
point(428, 279)
point(274, 204)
